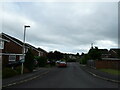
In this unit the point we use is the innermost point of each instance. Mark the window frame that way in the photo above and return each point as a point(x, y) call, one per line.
point(1, 44)
point(12, 56)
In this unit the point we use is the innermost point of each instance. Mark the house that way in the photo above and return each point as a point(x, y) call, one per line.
point(114, 53)
point(12, 49)
point(104, 53)
point(2, 42)
point(42, 52)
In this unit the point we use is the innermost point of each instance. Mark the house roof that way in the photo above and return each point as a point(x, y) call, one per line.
point(20, 43)
point(1, 39)
point(110, 58)
point(13, 39)
point(104, 51)
point(115, 50)
point(42, 50)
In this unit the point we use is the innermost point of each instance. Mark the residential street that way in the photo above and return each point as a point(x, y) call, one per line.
point(71, 77)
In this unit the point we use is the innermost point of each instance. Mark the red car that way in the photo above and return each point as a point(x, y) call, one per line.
point(62, 64)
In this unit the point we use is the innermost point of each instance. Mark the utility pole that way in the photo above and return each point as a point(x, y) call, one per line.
point(23, 48)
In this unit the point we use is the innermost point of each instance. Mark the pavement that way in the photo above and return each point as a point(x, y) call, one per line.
point(25, 77)
point(100, 74)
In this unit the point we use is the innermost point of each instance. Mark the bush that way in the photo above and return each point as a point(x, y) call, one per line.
point(8, 72)
point(42, 61)
point(29, 60)
point(18, 69)
point(84, 59)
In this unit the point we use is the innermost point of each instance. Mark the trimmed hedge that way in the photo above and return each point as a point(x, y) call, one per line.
point(9, 72)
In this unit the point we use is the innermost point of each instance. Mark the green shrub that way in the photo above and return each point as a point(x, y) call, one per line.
point(8, 72)
point(42, 61)
point(84, 59)
point(18, 69)
point(29, 60)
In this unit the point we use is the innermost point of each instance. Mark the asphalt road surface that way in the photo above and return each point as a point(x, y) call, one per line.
point(70, 77)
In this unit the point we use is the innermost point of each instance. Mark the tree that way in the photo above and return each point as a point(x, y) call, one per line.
point(94, 53)
point(77, 54)
point(58, 55)
point(29, 60)
point(50, 55)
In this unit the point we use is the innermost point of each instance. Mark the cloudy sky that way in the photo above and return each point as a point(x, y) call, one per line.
point(69, 27)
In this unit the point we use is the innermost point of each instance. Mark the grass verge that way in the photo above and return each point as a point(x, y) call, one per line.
point(111, 71)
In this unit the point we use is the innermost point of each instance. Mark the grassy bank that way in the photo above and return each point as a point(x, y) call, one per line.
point(111, 71)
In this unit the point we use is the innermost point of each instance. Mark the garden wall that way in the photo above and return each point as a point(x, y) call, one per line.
point(108, 64)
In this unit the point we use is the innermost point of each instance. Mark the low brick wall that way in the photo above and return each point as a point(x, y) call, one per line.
point(109, 64)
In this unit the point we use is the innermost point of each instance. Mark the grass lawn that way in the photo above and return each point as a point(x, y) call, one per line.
point(111, 71)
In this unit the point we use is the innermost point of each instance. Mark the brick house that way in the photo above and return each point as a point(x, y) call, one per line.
point(42, 52)
point(110, 60)
point(114, 53)
point(104, 53)
point(12, 49)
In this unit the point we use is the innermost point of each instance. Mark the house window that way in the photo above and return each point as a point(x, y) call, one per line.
point(1, 44)
point(12, 58)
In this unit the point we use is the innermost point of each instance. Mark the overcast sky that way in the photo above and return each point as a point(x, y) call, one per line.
point(65, 26)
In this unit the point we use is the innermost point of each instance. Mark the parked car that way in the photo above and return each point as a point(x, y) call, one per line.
point(62, 64)
point(57, 62)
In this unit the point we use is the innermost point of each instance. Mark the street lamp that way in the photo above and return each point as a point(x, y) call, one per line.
point(25, 26)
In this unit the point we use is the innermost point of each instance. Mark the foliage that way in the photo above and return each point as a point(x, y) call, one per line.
point(50, 55)
point(94, 53)
point(42, 61)
point(9, 72)
point(84, 59)
point(29, 60)
point(77, 54)
point(56, 55)
point(18, 69)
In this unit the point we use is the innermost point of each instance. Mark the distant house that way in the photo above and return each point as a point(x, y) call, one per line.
point(42, 52)
point(114, 53)
point(12, 49)
point(72, 56)
point(104, 53)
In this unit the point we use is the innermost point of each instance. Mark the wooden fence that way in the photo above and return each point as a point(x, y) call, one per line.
point(107, 64)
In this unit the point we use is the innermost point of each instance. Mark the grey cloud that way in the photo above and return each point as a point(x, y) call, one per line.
point(65, 26)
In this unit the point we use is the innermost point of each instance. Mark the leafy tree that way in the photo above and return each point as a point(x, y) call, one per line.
point(94, 53)
point(29, 60)
point(58, 55)
point(77, 54)
point(50, 55)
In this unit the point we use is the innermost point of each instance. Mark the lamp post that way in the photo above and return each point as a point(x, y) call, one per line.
point(25, 26)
